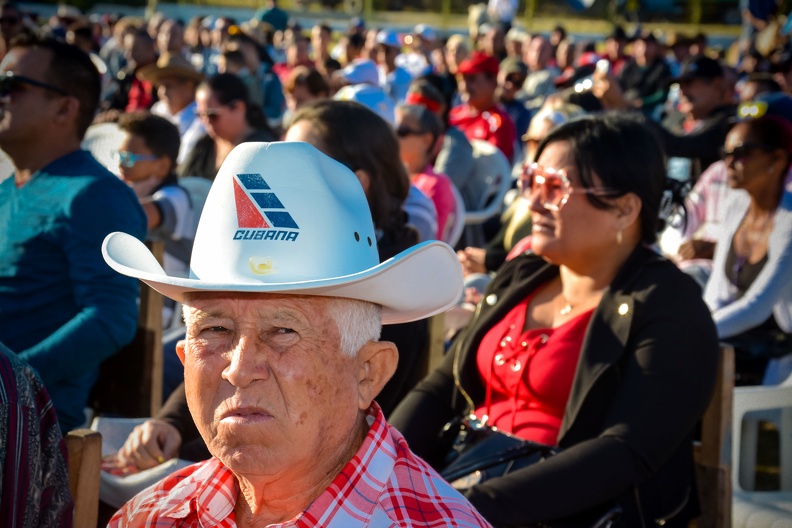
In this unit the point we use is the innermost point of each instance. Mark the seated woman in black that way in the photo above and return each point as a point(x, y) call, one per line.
point(594, 343)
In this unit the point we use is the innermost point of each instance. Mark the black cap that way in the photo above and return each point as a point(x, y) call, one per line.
point(618, 33)
point(699, 67)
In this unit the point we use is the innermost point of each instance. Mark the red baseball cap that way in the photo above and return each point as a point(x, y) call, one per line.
point(479, 62)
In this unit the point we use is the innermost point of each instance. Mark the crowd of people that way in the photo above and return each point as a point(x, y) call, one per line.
point(649, 219)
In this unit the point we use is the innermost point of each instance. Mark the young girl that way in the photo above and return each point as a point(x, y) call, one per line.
point(418, 130)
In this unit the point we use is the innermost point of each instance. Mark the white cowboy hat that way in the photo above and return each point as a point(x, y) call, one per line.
point(285, 218)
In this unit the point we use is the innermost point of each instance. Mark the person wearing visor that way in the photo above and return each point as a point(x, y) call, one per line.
point(750, 288)
point(282, 358)
point(63, 310)
point(591, 343)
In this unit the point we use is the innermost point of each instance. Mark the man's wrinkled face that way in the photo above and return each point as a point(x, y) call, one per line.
point(267, 384)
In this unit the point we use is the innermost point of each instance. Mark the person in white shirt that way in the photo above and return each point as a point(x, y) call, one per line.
point(176, 81)
point(393, 79)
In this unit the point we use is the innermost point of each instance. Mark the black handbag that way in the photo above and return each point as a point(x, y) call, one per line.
point(470, 452)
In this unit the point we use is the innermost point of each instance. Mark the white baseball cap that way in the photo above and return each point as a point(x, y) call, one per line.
point(285, 218)
point(372, 97)
point(360, 71)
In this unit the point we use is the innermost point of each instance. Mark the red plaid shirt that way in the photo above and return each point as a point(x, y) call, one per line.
point(384, 485)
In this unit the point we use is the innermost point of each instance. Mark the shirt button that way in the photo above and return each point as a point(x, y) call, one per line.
point(623, 309)
point(544, 338)
point(491, 299)
point(499, 359)
point(516, 366)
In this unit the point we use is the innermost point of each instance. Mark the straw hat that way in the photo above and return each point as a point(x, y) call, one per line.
point(169, 65)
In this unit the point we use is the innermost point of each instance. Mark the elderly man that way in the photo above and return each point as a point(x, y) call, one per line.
point(282, 358)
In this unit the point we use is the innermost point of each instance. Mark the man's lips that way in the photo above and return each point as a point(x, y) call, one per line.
point(244, 414)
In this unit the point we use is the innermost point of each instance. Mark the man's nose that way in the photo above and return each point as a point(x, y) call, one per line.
point(248, 363)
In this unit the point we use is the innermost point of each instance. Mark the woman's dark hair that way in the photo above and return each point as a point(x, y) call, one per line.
point(772, 131)
point(228, 88)
point(159, 135)
point(426, 120)
point(624, 155)
point(353, 135)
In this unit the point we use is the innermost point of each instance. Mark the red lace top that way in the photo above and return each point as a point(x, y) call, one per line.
point(529, 374)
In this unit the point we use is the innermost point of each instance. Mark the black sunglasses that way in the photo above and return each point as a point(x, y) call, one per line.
point(11, 83)
point(743, 151)
point(404, 131)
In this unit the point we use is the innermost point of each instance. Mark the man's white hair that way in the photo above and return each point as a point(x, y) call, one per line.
point(358, 323)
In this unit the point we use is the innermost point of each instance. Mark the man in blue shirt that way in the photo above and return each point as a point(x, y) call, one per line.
point(62, 309)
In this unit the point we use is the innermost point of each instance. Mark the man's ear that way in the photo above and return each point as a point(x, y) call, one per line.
point(67, 110)
point(180, 349)
point(365, 180)
point(377, 362)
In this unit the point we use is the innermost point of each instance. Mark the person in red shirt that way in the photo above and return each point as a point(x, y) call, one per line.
point(479, 116)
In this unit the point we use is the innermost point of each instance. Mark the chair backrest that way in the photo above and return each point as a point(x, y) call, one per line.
point(130, 382)
point(491, 165)
point(103, 141)
point(85, 458)
point(713, 472)
point(198, 189)
point(456, 222)
point(772, 403)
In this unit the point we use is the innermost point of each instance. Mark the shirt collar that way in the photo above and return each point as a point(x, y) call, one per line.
point(210, 493)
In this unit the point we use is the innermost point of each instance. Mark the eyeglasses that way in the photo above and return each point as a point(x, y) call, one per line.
point(741, 153)
point(10, 83)
point(128, 159)
point(404, 131)
point(554, 186)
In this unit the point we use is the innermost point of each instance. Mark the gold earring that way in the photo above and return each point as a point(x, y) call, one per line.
point(619, 237)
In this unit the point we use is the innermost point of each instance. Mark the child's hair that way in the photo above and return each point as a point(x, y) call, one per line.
point(159, 135)
point(234, 58)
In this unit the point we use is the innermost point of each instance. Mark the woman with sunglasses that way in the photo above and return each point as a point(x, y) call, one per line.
point(593, 343)
point(750, 289)
point(230, 118)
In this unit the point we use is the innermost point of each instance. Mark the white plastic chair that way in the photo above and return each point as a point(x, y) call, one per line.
point(198, 189)
point(456, 222)
point(103, 141)
point(751, 508)
point(491, 166)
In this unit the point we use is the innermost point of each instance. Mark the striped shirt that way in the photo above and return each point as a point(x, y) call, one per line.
point(34, 483)
point(384, 485)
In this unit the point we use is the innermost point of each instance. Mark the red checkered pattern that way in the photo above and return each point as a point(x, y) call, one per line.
point(384, 485)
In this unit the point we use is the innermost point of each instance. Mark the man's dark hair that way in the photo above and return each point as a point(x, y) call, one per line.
point(71, 70)
point(159, 135)
point(765, 82)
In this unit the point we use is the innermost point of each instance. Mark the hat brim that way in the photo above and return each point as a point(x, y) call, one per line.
point(155, 74)
point(415, 284)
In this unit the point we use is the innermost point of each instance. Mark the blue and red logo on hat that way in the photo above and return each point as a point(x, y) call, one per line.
point(260, 214)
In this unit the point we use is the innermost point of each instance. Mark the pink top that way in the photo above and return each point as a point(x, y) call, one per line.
point(438, 187)
point(529, 374)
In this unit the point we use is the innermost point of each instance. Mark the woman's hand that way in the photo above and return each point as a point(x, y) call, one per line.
point(150, 444)
point(697, 249)
point(472, 260)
